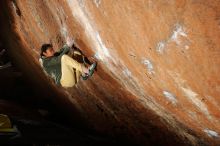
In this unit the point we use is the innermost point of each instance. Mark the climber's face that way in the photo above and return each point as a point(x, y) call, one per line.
point(49, 52)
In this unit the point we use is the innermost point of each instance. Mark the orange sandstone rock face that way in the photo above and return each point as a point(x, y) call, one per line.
point(157, 80)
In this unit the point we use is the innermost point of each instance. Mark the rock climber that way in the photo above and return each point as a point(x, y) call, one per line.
point(60, 67)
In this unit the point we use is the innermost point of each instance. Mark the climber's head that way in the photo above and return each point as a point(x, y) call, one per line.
point(47, 50)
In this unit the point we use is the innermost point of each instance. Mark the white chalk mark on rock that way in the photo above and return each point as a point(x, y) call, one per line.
point(127, 72)
point(161, 47)
point(149, 66)
point(102, 50)
point(97, 3)
point(178, 31)
point(193, 96)
point(170, 97)
point(80, 13)
point(176, 36)
point(211, 133)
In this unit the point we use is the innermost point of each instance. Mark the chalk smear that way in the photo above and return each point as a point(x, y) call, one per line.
point(170, 97)
point(97, 2)
point(161, 47)
point(149, 66)
point(178, 31)
point(211, 133)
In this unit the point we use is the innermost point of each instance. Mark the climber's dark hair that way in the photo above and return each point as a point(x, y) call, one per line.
point(44, 48)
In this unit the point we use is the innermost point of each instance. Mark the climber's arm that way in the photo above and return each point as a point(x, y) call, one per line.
point(65, 49)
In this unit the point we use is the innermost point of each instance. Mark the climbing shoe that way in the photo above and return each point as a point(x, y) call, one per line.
point(85, 77)
point(92, 68)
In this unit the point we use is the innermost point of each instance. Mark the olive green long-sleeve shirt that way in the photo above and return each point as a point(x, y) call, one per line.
point(52, 65)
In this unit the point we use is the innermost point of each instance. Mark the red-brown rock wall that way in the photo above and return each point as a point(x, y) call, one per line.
point(158, 62)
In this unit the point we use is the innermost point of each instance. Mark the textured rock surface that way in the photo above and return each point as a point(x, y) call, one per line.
point(157, 79)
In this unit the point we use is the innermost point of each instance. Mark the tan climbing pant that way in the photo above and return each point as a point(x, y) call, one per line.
point(71, 71)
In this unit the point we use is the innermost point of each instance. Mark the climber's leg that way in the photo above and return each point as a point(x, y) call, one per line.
point(67, 68)
point(78, 74)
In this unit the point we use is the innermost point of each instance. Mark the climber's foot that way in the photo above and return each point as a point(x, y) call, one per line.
point(85, 77)
point(92, 68)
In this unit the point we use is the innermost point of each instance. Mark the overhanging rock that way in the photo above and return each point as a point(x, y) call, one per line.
point(157, 79)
